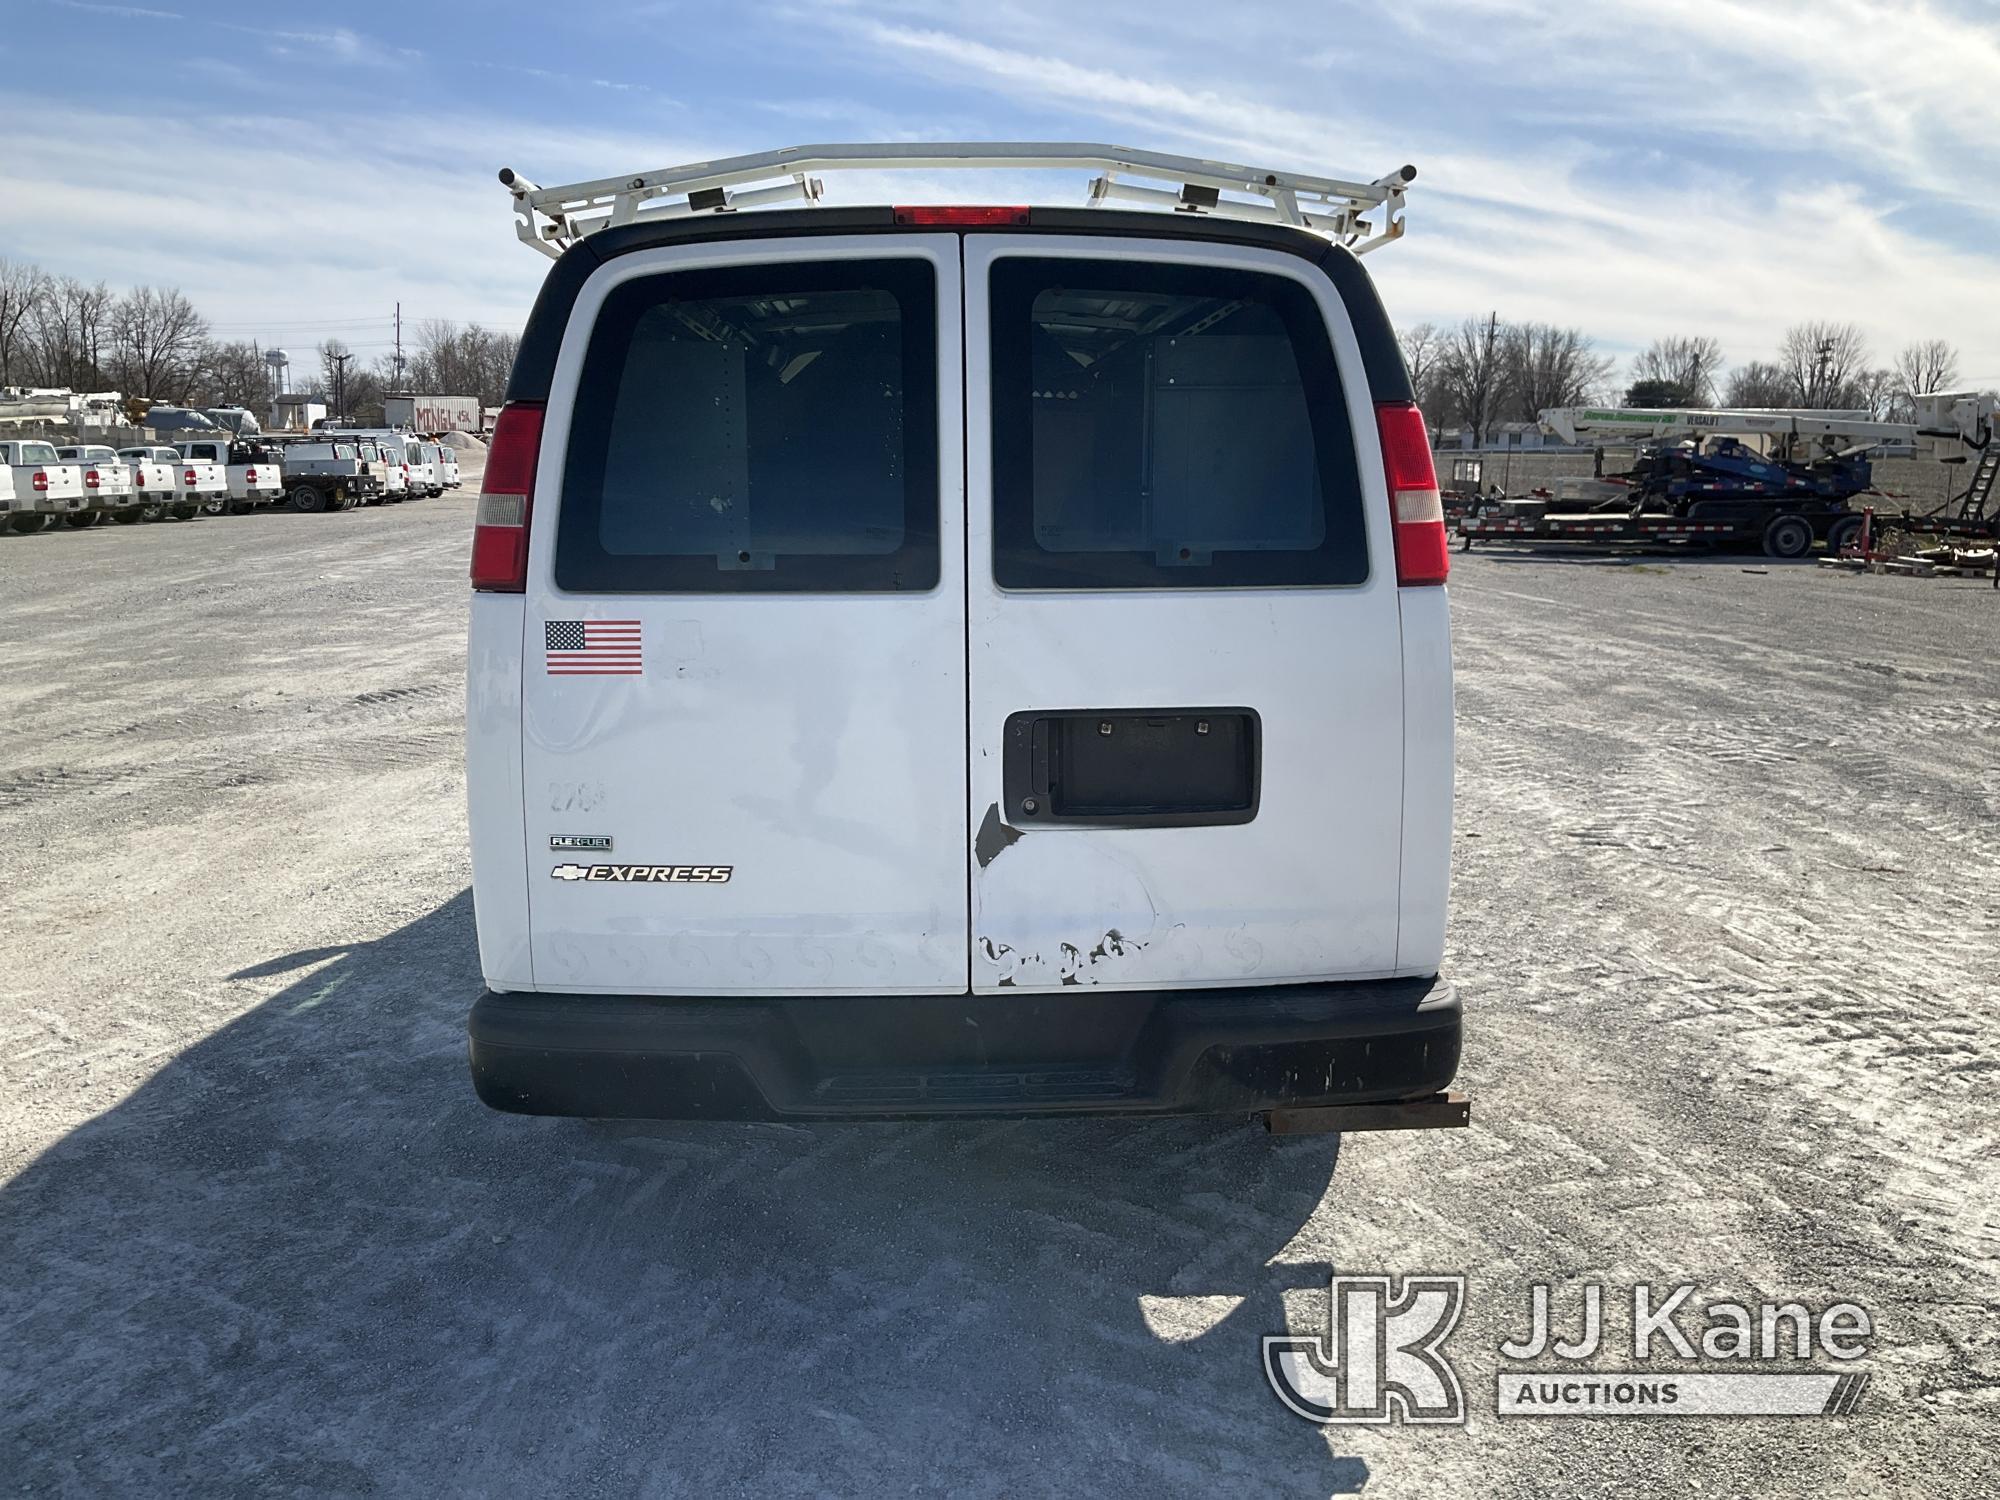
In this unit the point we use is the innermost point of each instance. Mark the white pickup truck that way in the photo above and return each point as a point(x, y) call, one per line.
point(152, 481)
point(194, 482)
point(36, 486)
point(254, 474)
point(107, 484)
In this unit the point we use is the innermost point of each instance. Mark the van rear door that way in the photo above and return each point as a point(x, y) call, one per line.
point(1185, 663)
point(743, 708)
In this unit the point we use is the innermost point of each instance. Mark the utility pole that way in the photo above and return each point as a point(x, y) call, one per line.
point(399, 346)
point(1819, 379)
point(340, 384)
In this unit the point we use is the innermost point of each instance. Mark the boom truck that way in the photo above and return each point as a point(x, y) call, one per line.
point(1782, 479)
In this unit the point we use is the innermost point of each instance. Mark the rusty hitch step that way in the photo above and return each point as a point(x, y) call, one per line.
point(1450, 1111)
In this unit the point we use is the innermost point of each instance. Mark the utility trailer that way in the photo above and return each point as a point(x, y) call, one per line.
point(1697, 480)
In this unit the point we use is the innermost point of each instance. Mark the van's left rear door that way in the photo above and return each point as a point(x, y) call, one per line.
point(744, 634)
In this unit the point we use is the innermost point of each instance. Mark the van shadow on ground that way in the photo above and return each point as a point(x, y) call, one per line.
point(303, 1258)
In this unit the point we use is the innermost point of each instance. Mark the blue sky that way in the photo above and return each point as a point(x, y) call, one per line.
point(1633, 167)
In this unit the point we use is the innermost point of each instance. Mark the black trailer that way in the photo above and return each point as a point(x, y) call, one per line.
point(1785, 528)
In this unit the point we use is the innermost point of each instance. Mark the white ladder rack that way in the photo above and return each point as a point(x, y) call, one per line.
point(552, 219)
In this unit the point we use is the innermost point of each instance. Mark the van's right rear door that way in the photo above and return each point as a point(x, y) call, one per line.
point(1184, 643)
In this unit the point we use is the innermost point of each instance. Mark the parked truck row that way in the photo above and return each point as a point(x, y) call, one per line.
point(78, 485)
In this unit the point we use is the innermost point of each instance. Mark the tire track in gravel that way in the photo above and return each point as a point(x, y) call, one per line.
point(1836, 981)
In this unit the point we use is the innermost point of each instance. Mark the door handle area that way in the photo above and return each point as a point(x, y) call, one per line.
point(1131, 768)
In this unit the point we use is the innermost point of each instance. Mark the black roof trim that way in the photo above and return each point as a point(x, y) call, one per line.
point(541, 340)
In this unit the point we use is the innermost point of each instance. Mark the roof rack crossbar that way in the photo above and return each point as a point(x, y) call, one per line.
point(552, 219)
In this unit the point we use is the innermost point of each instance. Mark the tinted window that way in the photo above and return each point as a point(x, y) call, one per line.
point(38, 453)
point(757, 429)
point(1167, 426)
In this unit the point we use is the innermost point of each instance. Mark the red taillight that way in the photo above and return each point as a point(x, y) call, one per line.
point(41, 481)
point(1423, 551)
point(506, 500)
point(90, 479)
point(962, 213)
point(188, 479)
point(249, 476)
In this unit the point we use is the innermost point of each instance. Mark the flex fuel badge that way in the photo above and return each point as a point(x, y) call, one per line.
point(598, 843)
point(646, 874)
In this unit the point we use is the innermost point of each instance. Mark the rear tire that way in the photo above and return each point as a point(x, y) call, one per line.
point(27, 525)
point(152, 512)
point(1842, 533)
point(129, 516)
point(186, 512)
point(308, 499)
point(216, 506)
point(80, 519)
point(1788, 537)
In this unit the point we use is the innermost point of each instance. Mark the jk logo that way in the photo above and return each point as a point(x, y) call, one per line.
point(1379, 1360)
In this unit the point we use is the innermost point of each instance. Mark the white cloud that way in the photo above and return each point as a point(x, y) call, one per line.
point(1532, 231)
point(1632, 167)
point(333, 222)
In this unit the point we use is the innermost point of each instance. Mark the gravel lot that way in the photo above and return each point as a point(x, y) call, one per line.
point(1725, 920)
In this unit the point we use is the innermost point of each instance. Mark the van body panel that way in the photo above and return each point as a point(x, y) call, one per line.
point(1307, 889)
point(495, 823)
point(1425, 881)
point(810, 745)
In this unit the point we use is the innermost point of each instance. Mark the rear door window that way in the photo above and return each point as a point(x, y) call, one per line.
point(1167, 426)
point(767, 428)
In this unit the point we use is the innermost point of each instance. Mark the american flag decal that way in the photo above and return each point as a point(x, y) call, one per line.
point(593, 648)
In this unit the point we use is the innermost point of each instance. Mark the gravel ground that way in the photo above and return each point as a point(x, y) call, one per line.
point(1725, 922)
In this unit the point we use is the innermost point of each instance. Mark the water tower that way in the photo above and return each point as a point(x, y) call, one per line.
point(280, 362)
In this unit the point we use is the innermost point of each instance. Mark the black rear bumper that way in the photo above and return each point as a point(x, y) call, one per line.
point(1078, 1051)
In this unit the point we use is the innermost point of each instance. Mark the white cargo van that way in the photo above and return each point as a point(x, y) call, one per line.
point(960, 661)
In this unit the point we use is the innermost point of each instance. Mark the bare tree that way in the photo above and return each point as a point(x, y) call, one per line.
point(365, 388)
point(1544, 366)
point(1423, 351)
point(334, 361)
point(1471, 371)
point(1759, 383)
point(1683, 368)
point(157, 339)
point(22, 288)
point(71, 328)
point(1926, 367)
point(1878, 393)
point(231, 374)
point(1822, 361)
point(468, 361)
point(333, 354)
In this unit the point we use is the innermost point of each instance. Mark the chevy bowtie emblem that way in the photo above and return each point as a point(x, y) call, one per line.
point(570, 872)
